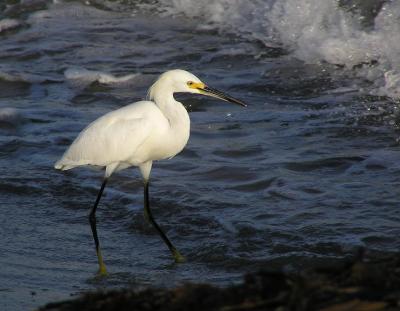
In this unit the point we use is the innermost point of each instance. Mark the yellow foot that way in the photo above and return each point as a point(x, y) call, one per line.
point(178, 257)
point(102, 267)
point(102, 270)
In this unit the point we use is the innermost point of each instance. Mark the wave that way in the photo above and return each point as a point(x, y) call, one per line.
point(84, 77)
point(11, 75)
point(9, 24)
point(10, 117)
point(362, 36)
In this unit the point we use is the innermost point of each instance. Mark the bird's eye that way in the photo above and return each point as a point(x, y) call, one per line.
point(190, 83)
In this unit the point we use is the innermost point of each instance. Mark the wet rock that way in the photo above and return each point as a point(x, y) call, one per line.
point(360, 285)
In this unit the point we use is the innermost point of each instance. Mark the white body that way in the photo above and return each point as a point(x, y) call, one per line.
point(137, 134)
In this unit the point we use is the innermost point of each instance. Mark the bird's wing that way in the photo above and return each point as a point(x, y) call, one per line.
point(106, 141)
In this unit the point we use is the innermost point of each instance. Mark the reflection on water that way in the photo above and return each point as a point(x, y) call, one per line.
point(308, 172)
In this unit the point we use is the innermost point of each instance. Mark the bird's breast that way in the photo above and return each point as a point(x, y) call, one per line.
point(166, 140)
point(173, 141)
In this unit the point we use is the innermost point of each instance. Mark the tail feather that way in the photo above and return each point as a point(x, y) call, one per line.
point(59, 165)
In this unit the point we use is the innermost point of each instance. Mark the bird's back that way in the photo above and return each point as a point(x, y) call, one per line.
point(114, 137)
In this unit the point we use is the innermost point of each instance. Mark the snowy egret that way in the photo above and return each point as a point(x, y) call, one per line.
point(137, 135)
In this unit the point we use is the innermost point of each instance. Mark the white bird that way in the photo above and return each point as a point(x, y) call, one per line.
point(137, 135)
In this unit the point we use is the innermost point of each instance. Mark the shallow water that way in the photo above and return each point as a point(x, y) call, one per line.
point(308, 172)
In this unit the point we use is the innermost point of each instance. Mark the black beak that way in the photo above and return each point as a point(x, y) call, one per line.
point(218, 94)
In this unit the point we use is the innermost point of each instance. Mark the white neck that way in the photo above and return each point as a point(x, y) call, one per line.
point(162, 95)
point(178, 118)
point(173, 110)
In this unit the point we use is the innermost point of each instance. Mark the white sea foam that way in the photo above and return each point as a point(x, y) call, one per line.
point(10, 116)
point(9, 23)
point(313, 31)
point(82, 76)
point(13, 76)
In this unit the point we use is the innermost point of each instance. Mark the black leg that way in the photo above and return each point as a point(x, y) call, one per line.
point(92, 220)
point(149, 216)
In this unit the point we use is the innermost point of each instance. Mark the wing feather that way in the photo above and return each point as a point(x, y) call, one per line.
point(112, 138)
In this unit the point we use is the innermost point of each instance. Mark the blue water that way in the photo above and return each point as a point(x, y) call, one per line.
point(308, 172)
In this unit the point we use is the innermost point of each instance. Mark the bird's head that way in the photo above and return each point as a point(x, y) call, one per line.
point(181, 81)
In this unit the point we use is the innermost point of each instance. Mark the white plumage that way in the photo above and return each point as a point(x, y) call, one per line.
point(137, 135)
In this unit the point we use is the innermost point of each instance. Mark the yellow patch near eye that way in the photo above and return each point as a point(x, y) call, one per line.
point(198, 85)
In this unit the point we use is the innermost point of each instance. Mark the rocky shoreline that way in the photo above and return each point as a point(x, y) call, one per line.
point(362, 284)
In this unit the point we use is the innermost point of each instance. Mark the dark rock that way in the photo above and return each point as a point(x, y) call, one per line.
point(360, 285)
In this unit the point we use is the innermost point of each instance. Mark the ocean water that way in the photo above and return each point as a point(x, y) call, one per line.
point(307, 173)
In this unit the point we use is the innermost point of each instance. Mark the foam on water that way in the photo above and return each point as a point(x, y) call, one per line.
point(84, 77)
point(346, 33)
point(10, 116)
point(8, 24)
point(7, 73)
